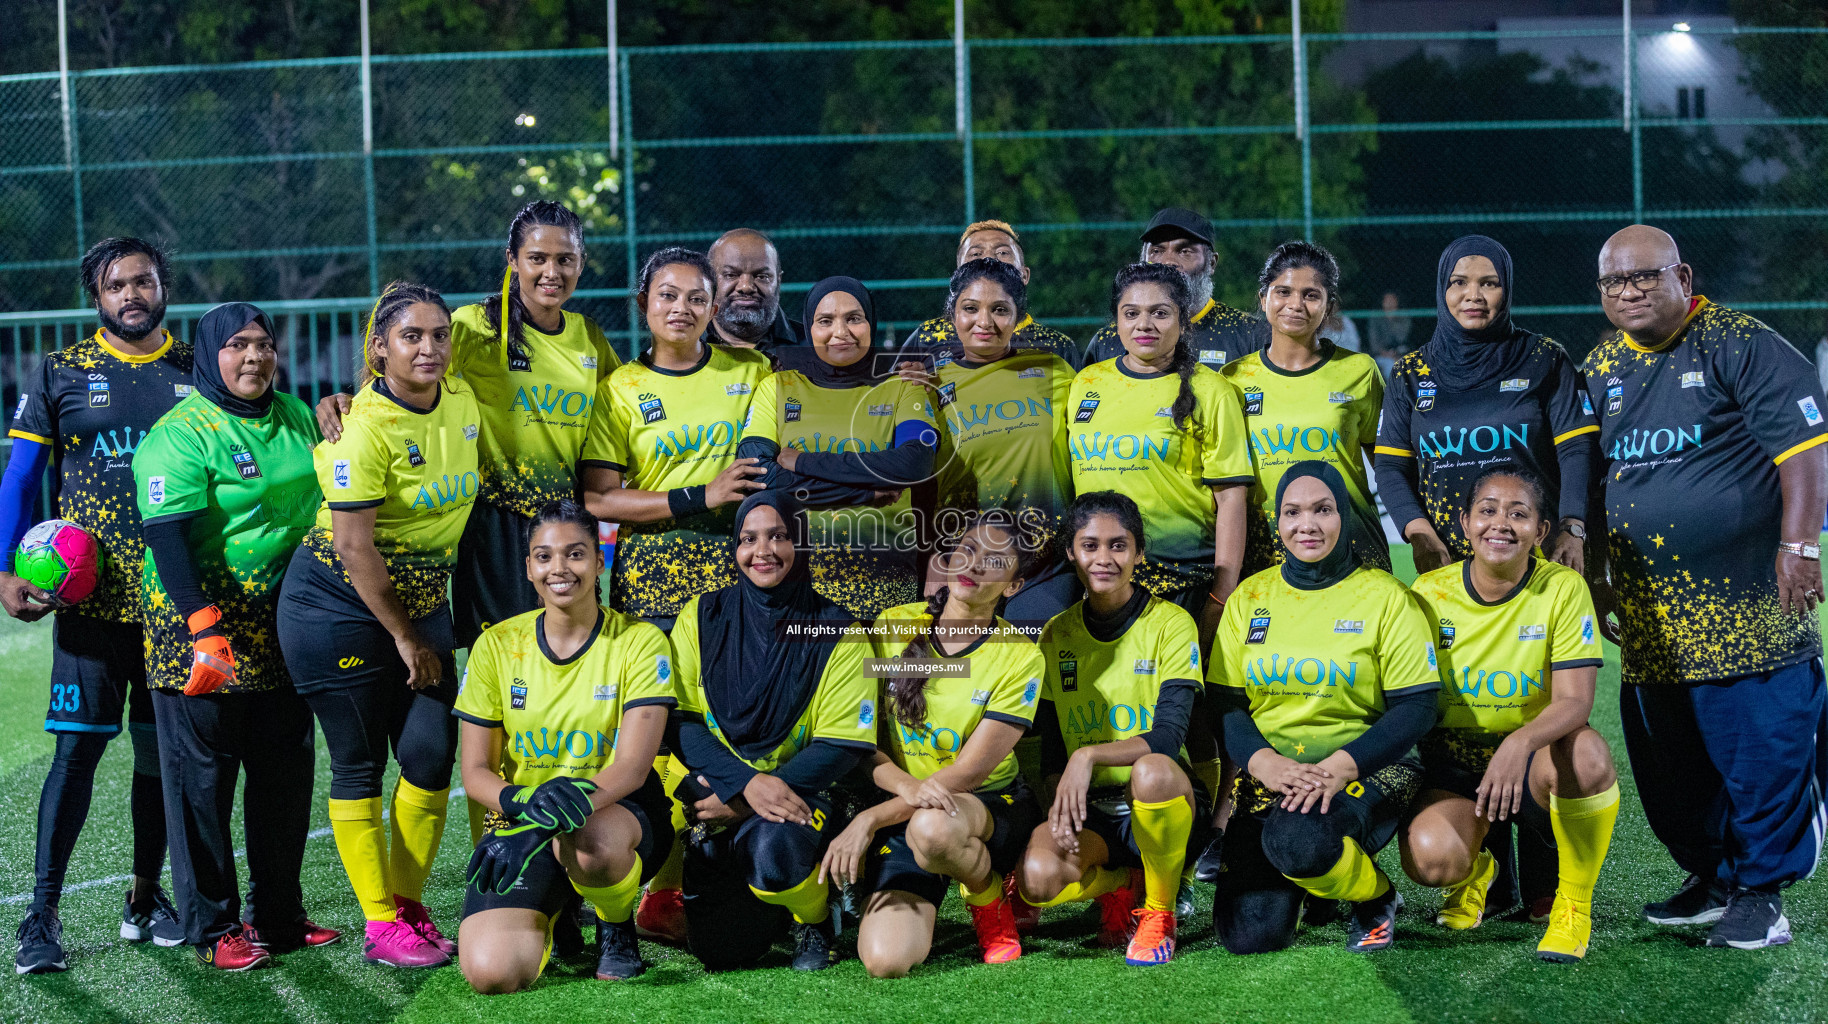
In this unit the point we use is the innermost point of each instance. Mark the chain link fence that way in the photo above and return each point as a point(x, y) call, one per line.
point(1547, 135)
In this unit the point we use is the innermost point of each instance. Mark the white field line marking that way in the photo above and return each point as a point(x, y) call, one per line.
point(96, 883)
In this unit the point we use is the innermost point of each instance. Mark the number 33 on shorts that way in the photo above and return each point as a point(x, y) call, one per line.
point(66, 697)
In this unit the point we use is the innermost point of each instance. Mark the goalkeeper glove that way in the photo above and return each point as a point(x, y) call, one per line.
point(561, 804)
point(212, 661)
point(502, 857)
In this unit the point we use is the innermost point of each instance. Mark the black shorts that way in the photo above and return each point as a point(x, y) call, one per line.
point(1456, 764)
point(1014, 813)
point(545, 886)
point(727, 924)
point(1108, 817)
point(332, 641)
point(98, 669)
point(489, 582)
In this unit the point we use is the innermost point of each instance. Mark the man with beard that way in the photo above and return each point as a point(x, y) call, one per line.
point(1220, 333)
point(92, 404)
point(748, 298)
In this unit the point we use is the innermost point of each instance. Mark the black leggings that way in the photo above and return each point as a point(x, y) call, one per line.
point(63, 807)
point(1256, 907)
point(361, 723)
point(728, 925)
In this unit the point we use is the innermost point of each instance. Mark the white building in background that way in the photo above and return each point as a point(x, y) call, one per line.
point(1688, 68)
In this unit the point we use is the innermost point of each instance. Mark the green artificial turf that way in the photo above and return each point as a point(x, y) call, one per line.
point(1634, 972)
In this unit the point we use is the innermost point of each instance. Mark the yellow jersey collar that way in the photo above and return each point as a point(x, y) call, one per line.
point(1694, 309)
point(1028, 320)
point(101, 338)
point(1211, 304)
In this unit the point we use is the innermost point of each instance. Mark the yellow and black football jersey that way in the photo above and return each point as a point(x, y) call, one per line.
point(1693, 432)
point(863, 557)
point(1002, 685)
point(842, 710)
point(92, 405)
point(1002, 446)
point(1326, 413)
point(418, 469)
point(535, 407)
point(1121, 437)
point(1499, 657)
point(1106, 692)
point(663, 429)
point(562, 715)
point(1317, 664)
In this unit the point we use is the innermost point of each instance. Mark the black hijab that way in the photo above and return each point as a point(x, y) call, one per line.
point(1343, 559)
point(1466, 360)
point(806, 359)
point(758, 682)
point(213, 331)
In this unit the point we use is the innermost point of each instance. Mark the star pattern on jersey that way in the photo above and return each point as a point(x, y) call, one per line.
point(694, 563)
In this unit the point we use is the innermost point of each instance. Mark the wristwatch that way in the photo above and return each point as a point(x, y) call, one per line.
point(1802, 549)
point(1575, 528)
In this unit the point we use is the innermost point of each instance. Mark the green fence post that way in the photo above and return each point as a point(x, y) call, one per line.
point(628, 203)
point(1303, 127)
point(374, 249)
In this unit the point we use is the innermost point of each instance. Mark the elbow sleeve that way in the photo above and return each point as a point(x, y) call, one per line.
point(1173, 712)
point(1397, 485)
point(1406, 719)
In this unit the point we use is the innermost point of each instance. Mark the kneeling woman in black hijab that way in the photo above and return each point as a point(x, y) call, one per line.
point(774, 707)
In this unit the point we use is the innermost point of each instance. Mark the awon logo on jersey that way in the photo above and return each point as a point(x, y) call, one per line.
point(651, 409)
point(1281, 671)
point(548, 400)
point(1636, 442)
point(439, 493)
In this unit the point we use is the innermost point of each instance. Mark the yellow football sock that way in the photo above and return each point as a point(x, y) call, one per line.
point(1583, 832)
point(362, 845)
point(993, 888)
point(477, 811)
point(1208, 772)
point(671, 874)
point(1353, 877)
point(1161, 832)
point(806, 900)
point(418, 826)
point(615, 902)
point(1095, 883)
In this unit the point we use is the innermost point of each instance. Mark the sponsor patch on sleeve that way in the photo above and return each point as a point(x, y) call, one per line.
point(1811, 412)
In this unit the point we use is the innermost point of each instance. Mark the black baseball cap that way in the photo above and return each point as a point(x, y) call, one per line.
point(1178, 222)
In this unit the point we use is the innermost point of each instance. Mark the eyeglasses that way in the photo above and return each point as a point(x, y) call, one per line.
point(1642, 280)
